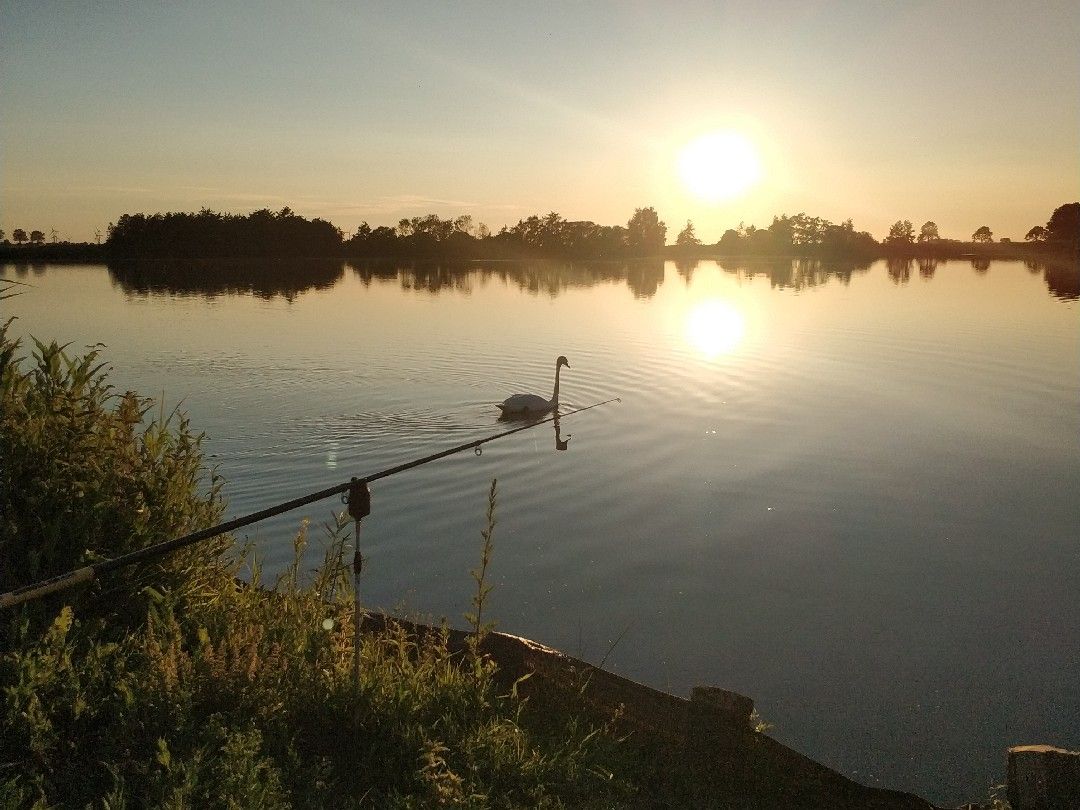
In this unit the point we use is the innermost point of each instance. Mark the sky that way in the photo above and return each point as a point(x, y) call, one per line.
point(964, 113)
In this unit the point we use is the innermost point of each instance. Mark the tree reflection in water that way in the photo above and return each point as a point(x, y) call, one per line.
point(1063, 282)
point(796, 274)
point(643, 277)
point(899, 268)
point(261, 278)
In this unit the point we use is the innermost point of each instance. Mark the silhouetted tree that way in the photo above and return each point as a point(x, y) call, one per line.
point(382, 237)
point(781, 235)
point(808, 231)
point(730, 242)
point(551, 231)
point(804, 235)
point(54, 235)
point(687, 238)
point(97, 235)
point(929, 232)
point(2, 235)
point(208, 235)
point(1064, 224)
point(37, 237)
point(19, 235)
point(483, 231)
point(426, 229)
point(1036, 234)
point(983, 234)
point(528, 231)
point(844, 240)
point(902, 232)
point(764, 242)
point(645, 234)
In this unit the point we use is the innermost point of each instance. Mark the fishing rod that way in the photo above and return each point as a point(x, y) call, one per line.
point(87, 573)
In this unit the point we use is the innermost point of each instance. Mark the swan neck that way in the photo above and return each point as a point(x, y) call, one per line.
point(555, 394)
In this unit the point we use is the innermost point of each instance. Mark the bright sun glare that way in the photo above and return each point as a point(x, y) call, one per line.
point(719, 166)
point(714, 327)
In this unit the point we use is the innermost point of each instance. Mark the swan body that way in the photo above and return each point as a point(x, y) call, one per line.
point(534, 404)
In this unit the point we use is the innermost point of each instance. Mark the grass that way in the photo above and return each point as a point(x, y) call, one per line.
point(243, 698)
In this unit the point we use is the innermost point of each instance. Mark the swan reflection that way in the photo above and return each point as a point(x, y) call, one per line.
point(560, 442)
point(714, 327)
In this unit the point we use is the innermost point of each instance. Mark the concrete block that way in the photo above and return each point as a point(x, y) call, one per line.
point(1042, 777)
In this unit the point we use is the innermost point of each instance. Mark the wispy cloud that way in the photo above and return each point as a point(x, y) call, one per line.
point(385, 207)
point(81, 190)
point(494, 79)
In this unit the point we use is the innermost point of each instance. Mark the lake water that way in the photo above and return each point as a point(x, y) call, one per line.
point(850, 494)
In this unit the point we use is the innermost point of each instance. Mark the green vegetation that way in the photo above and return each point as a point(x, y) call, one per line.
point(240, 697)
point(174, 685)
point(84, 474)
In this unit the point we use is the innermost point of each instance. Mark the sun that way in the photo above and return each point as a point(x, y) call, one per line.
point(719, 166)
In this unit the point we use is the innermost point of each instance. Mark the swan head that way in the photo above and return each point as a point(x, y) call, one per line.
point(562, 361)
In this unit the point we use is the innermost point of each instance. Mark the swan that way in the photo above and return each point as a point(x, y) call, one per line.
point(533, 404)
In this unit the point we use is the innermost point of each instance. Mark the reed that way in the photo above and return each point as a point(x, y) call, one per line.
point(475, 617)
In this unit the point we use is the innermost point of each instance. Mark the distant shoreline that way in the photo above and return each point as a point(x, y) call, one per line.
point(287, 236)
point(89, 253)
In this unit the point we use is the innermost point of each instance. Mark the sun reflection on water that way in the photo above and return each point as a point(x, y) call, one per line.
point(714, 327)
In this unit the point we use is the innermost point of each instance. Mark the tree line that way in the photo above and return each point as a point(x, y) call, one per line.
point(1062, 231)
point(20, 236)
point(805, 236)
point(212, 235)
point(264, 233)
point(799, 235)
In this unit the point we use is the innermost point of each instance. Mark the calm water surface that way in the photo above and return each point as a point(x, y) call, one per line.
point(852, 496)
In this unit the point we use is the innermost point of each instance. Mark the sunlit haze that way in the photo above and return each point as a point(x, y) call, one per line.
point(964, 113)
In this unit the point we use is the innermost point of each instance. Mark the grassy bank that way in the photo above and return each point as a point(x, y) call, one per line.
point(172, 685)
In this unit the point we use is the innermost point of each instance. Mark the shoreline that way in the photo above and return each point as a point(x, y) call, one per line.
point(89, 253)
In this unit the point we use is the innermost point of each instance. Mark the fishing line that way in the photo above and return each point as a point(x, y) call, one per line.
point(90, 572)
